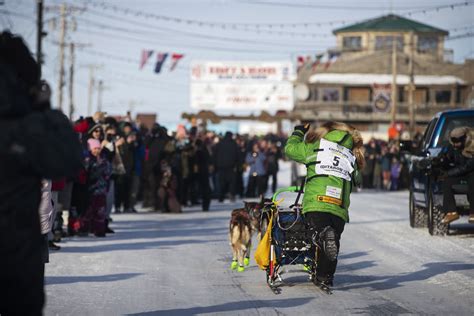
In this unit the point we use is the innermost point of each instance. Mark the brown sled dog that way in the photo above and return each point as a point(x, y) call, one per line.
point(259, 215)
point(258, 219)
point(240, 233)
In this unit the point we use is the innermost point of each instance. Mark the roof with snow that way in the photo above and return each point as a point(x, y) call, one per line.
point(390, 22)
point(370, 79)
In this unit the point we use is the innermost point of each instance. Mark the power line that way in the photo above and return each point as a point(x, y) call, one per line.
point(190, 46)
point(209, 37)
point(274, 31)
point(413, 10)
point(460, 36)
point(182, 21)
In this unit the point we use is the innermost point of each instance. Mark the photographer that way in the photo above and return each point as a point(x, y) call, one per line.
point(37, 143)
point(457, 165)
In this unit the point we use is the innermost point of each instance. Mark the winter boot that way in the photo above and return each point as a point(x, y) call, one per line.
point(329, 243)
point(450, 217)
point(241, 269)
point(246, 261)
point(234, 264)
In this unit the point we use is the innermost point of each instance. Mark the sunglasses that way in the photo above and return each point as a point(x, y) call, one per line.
point(458, 139)
point(96, 131)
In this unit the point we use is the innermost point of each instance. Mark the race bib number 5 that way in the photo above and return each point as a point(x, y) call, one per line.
point(335, 160)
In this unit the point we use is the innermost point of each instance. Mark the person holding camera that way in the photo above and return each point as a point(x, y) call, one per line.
point(457, 164)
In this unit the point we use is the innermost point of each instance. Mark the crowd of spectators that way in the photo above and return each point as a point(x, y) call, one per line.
point(386, 168)
point(126, 163)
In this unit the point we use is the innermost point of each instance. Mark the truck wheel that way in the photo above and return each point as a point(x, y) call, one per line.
point(418, 216)
point(435, 216)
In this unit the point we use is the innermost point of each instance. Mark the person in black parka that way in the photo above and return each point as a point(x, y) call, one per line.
point(226, 157)
point(35, 143)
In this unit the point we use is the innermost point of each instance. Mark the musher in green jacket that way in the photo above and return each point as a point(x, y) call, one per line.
point(333, 156)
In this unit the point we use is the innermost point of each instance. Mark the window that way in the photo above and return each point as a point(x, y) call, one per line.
point(352, 43)
point(428, 132)
point(443, 96)
point(451, 123)
point(385, 42)
point(314, 93)
point(330, 94)
point(427, 44)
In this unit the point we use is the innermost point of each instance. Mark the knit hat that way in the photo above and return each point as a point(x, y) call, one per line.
point(93, 143)
point(93, 128)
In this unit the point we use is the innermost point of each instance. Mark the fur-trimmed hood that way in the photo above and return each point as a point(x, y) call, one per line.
point(357, 148)
point(468, 150)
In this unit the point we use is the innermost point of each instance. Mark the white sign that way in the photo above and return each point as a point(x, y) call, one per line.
point(241, 71)
point(242, 85)
point(264, 96)
point(335, 160)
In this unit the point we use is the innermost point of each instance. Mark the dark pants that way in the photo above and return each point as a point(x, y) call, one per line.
point(205, 190)
point(123, 188)
point(94, 219)
point(22, 282)
point(226, 183)
point(257, 186)
point(150, 191)
point(449, 203)
point(318, 221)
point(239, 184)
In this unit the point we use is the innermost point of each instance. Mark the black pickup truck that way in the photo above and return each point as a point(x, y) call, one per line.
point(426, 198)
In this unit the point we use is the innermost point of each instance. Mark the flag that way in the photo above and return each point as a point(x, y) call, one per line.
point(317, 61)
point(145, 55)
point(300, 63)
point(332, 57)
point(174, 60)
point(160, 60)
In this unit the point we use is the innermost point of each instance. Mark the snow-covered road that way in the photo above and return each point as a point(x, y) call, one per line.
point(178, 264)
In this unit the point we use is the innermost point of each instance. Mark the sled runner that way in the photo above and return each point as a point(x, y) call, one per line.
point(288, 240)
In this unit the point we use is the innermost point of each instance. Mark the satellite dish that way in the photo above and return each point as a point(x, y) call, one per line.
point(302, 92)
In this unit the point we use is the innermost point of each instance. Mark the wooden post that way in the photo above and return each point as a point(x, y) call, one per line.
point(62, 35)
point(71, 80)
point(411, 89)
point(394, 81)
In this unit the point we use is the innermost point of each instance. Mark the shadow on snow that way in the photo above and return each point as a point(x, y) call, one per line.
point(50, 280)
point(231, 307)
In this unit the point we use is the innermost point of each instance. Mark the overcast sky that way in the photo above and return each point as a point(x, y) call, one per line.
point(115, 40)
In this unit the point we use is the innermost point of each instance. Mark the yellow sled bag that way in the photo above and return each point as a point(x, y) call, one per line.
point(262, 254)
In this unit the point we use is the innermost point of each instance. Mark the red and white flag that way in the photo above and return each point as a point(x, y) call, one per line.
point(146, 54)
point(175, 58)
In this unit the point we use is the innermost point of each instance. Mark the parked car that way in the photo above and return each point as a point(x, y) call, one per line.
point(426, 198)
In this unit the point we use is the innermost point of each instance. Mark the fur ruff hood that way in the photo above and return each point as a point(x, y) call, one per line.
point(468, 150)
point(357, 148)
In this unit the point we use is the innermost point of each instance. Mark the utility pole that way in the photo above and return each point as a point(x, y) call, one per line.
point(72, 59)
point(411, 88)
point(71, 80)
point(64, 11)
point(92, 68)
point(100, 88)
point(91, 90)
point(394, 81)
point(62, 35)
point(39, 34)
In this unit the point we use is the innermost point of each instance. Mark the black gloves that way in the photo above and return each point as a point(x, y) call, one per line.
point(302, 128)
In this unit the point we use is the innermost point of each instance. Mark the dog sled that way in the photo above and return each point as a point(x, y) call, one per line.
point(288, 240)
